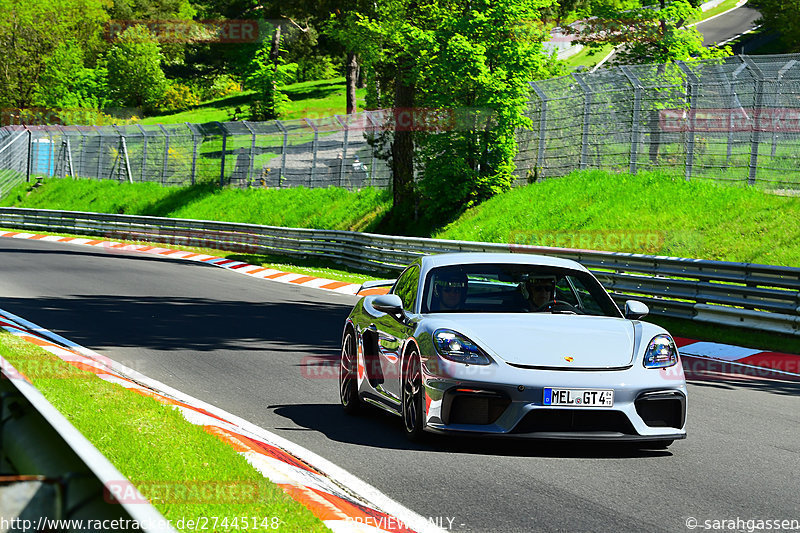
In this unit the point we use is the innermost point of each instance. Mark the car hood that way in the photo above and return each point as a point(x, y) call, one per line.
point(551, 340)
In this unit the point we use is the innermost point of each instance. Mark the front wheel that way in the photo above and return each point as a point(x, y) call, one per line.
point(413, 398)
point(348, 368)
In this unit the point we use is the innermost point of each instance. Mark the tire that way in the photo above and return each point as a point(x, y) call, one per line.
point(413, 399)
point(348, 377)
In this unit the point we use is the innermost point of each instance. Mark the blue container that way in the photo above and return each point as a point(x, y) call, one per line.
point(42, 157)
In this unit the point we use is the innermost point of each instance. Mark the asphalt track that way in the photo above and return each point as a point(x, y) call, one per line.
point(727, 26)
point(244, 345)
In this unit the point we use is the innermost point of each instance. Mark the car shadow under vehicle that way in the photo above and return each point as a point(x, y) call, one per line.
point(375, 428)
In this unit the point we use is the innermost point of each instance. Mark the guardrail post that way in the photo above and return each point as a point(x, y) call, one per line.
point(587, 103)
point(637, 107)
point(542, 125)
point(692, 88)
point(758, 110)
point(314, 147)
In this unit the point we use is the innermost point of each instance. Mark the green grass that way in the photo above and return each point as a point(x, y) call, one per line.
point(312, 99)
point(330, 208)
point(724, 6)
point(131, 430)
point(696, 219)
point(588, 58)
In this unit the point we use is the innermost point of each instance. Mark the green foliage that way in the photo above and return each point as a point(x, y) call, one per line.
point(650, 34)
point(783, 16)
point(135, 77)
point(67, 83)
point(265, 77)
point(44, 38)
point(178, 97)
point(472, 61)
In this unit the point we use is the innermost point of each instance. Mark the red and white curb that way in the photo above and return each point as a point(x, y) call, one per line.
point(230, 264)
point(343, 502)
point(707, 359)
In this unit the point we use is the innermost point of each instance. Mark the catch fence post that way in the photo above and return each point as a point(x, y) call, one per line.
point(285, 132)
point(252, 154)
point(587, 103)
point(314, 147)
point(758, 98)
point(637, 108)
point(693, 83)
point(542, 125)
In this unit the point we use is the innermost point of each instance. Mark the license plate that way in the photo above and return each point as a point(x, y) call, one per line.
point(579, 397)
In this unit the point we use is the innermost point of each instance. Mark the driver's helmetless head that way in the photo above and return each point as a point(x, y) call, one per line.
point(541, 290)
point(451, 290)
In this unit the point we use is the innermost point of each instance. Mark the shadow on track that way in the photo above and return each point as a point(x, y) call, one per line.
point(374, 428)
point(199, 324)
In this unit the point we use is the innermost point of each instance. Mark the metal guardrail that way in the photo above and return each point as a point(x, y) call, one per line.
point(736, 294)
point(51, 477)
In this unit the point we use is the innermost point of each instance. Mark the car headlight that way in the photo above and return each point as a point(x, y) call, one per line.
point(458, 348)
point(661, 352)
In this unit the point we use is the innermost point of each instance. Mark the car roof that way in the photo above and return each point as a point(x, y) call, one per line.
point(435, 261)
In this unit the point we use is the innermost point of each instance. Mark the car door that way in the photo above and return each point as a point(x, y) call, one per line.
point(393, 330)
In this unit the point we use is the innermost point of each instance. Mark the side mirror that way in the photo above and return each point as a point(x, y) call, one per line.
point(634, 310)
point(388, 303)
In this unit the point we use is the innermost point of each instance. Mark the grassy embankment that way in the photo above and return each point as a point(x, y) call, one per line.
point(180, 467)
point(312, 99)
point(697, 219)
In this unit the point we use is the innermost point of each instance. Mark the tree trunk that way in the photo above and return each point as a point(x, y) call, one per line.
point(275, 50)
point(351, 75)
point(403, 144)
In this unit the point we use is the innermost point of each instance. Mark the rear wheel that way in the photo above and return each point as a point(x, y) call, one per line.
point(413, 398)
point(348, 380)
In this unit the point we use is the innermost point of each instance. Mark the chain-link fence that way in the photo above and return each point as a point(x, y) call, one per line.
point(14, 151)
point(735, 119)
point(312, 153)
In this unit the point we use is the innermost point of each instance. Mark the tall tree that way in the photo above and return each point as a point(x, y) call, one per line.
point(31, 31)
point(457, 72)
point(135, 77)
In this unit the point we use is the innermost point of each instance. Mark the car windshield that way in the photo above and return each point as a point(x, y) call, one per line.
point(515, 288)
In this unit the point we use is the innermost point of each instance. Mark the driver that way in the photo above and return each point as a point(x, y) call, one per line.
point(541, 290)
point(449, 291)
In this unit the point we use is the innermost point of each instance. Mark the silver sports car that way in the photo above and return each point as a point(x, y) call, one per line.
point(512, 344)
